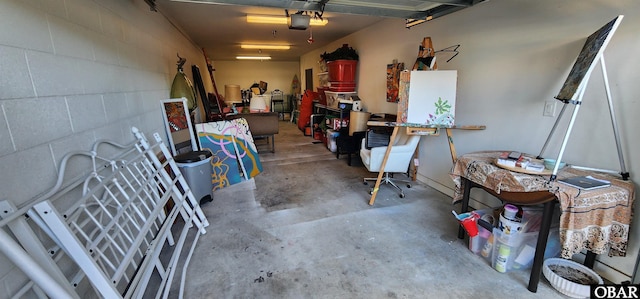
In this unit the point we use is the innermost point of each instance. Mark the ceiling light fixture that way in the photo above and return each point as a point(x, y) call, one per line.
point(413, 22)
point(266, 47)
point(253, 57)
point(266, 19)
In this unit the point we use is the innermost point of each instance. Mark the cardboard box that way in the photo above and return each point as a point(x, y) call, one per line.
point(333, 98)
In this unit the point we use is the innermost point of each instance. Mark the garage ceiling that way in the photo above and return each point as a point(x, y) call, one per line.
point(220, 26)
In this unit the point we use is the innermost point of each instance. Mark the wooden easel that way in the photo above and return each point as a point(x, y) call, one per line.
point(426, 54)
point(425, 58)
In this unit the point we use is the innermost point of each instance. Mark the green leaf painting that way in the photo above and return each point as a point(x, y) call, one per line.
point(442, 107)
point(443, 115)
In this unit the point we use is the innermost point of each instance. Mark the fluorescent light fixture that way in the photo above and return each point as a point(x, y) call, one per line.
point(266, 19)
point(413, 22)
point(253, 57)
point(266, 47)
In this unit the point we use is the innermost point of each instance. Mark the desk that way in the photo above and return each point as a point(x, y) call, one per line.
point(596, 220)
point(415, 129)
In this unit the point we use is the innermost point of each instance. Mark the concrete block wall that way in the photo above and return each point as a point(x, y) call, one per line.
point(72, 72)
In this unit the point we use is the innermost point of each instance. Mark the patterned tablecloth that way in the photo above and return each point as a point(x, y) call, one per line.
point(597, 220)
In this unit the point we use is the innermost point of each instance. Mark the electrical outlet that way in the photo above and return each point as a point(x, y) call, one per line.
point(549, 109)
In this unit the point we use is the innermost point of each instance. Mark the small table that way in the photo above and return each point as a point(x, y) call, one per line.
point(608, 210)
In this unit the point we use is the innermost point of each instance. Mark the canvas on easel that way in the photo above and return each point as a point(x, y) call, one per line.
point(428, 98)
point(575, 85)
point(591, 51)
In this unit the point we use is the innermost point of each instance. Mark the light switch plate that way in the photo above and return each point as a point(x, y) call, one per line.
point(549, 108)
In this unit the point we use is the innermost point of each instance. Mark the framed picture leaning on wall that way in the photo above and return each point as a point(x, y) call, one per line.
point(178, 126)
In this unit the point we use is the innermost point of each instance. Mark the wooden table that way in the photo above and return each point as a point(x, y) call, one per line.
point(412, 129)
point(586, 216)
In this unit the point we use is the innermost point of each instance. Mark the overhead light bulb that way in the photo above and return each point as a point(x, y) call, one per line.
point(310, 39)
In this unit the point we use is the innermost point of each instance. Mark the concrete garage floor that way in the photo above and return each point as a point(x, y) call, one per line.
point(303, 229)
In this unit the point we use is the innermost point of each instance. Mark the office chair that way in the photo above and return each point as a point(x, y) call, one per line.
point(399, 158)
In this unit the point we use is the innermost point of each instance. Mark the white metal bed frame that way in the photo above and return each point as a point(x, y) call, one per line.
point(102, 234)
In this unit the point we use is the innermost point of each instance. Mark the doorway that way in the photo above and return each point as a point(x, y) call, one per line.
point(308, 79)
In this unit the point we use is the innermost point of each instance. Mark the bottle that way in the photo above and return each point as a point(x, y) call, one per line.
point(510, 212)
point(503, 256)
point(477, 243)
point(486, 250)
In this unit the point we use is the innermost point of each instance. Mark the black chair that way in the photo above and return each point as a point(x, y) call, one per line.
point(348, 145)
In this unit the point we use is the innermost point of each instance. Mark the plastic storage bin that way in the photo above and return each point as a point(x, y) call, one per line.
point(331, 142)
point(512, 249)
point(196, 169)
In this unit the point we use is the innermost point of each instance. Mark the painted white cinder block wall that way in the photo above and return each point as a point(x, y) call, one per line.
point(74, 71)
point(514, 56)
point(78, 70)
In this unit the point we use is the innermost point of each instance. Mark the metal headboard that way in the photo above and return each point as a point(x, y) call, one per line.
point(101, 235)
